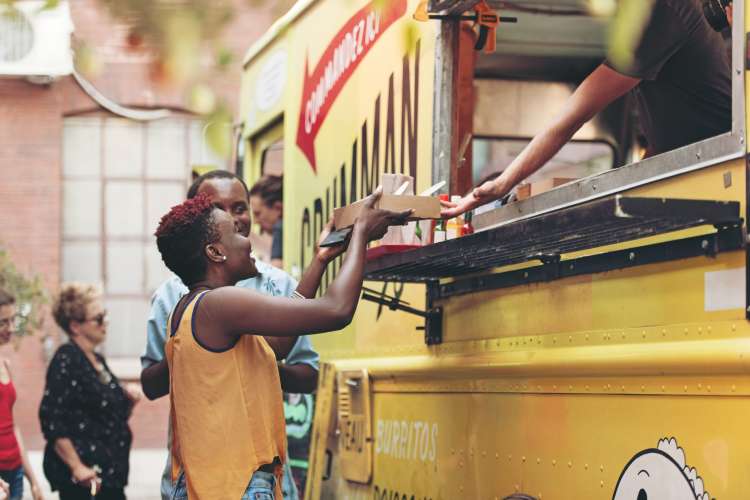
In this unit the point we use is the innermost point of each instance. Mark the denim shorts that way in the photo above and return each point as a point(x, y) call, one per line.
point(14, 478)
point(261, 487)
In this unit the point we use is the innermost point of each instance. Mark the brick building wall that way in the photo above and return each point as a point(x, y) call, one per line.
point(31, 184)
point(30, 222)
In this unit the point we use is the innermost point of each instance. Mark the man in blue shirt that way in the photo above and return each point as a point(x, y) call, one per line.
point(298, 374)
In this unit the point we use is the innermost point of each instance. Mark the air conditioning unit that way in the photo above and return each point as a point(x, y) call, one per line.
point(35, 39)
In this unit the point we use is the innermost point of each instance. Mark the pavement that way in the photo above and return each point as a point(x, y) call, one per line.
point(146, 466)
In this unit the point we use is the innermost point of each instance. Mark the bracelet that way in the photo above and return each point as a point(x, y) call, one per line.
point(297, 295)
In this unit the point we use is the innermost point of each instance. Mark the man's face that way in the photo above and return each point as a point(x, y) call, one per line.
point(7, 322)
point(265, 216)
point(237, 248)
point(230, 196)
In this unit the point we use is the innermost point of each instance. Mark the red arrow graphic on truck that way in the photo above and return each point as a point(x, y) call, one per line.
point(342, 56)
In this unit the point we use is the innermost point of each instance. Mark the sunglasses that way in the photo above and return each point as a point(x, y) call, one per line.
point(99, 319)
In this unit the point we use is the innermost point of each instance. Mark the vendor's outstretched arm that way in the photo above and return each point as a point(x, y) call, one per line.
point(599, 89)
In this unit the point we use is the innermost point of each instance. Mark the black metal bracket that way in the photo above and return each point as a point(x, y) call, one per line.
point(433, 315)
point(725, 239)
point(599, 223)
point(470, 17)
point(551, 263)
point(613, 220)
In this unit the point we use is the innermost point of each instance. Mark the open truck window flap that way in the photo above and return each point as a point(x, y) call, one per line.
point(527, 42)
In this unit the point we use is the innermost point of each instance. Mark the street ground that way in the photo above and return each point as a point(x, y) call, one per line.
point(146, 466)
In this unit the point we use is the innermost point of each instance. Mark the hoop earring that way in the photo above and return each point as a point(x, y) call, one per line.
point(224, 258)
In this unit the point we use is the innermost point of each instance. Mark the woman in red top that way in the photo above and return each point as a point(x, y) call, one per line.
point(13, 460)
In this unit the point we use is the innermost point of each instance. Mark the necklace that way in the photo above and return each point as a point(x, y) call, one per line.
point(102, 373)
point(104, 376)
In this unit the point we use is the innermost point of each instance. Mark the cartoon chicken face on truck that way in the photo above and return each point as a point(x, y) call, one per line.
point(660, 473)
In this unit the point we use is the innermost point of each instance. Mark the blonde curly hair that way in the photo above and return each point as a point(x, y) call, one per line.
point(72, 303)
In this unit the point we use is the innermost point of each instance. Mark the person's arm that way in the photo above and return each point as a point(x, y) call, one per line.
point(133, 392)
point(304, 364)
point(301, 378)
point(307, 288)
point(155, 373)
point(82, 474)
point(4, 490)
point(155, 380)
point(36, 492)
point(236, 311)
point(599, 89)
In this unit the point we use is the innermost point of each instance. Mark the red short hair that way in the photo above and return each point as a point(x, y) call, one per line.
point(182, 235)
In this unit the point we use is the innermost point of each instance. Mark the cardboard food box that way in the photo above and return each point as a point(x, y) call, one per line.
point(527, 190)
point(425, 207)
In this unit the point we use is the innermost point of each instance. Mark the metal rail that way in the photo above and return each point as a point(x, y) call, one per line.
point(611, 220)
point(546, 238)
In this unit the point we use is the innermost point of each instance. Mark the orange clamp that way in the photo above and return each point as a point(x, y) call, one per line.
point(487, 20)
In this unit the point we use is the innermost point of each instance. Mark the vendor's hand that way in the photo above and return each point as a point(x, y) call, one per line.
point(487, 192)
point(327, 254)
point(83, 476)
point(377, 221)
point(133, 392)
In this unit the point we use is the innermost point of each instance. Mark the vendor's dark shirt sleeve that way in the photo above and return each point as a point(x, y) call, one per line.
point(685, 93)
point(666, 32)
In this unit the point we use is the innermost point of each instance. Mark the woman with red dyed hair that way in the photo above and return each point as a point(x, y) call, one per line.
point(228, 427)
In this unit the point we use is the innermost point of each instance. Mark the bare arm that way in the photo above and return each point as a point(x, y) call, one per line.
point(82, 474)
point(28, 471)
point(299, 378)
point(155, 380)
point(233, 311)
point(308, 287)
point(36, 492)
point(238, 311)
point(598, 90)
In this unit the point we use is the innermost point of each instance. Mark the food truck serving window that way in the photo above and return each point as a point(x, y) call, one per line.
point(541, 60)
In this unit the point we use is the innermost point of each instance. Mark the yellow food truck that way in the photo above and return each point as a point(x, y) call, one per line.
point(590, 340)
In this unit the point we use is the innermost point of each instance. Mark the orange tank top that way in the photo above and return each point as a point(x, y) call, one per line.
point(227, 411)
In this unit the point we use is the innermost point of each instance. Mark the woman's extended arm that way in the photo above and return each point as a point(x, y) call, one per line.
point(306, 289)
point(239, 311)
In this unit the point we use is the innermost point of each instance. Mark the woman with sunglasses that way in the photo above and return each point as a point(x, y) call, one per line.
point(14, 462)
point(85, 409)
